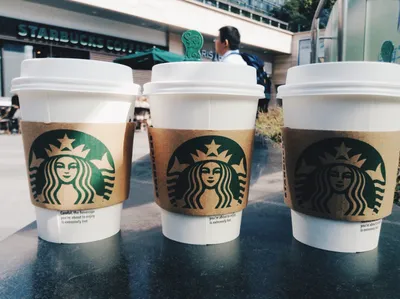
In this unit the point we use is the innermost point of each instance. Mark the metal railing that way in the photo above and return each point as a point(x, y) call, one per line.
point(315, 31)
point(243, 9)
point(244, 3)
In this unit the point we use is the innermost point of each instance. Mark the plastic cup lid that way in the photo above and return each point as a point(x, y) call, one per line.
point(342, 78)
point(204, 78)
point(78, 75)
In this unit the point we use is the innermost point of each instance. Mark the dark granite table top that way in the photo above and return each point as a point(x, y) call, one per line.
point(264, 262)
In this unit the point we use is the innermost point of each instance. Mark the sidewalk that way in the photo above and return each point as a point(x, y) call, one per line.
point(16, 210)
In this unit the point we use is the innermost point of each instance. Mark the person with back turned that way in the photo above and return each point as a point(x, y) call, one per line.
point(227, 45)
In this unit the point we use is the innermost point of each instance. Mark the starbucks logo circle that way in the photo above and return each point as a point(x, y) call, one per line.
point(387, 50)
point(207, 170)
point(340, 169)
point(193, 42)
point(70, 167)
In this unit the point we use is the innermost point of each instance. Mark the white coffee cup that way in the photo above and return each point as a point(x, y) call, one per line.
point(75, 91)
point(202, 96)
point(344, 96)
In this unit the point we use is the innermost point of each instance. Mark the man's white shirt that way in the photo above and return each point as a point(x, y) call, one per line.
point(233, 56)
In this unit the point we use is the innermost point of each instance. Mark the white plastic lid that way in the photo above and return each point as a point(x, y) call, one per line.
point(78, 75)
point(342, 78)
point(204, 78)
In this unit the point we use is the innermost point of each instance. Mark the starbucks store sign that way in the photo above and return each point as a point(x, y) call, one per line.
point(75, 38)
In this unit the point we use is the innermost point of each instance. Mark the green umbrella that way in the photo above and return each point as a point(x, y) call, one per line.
point(147, 59)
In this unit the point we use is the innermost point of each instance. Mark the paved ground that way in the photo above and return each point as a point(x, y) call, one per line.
point(15, 209)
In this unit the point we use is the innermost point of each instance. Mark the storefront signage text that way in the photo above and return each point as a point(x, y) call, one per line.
point(209, 54)
point(71, 37)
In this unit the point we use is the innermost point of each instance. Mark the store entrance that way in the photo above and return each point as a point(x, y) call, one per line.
point(40, 51)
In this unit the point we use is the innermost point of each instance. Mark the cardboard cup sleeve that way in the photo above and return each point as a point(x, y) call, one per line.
point(201, 172)
point(340, 175)
point(78, 166)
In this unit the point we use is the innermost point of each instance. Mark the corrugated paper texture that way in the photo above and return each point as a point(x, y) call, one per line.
point(340, 175)
point(201, 172)
point(78, 166)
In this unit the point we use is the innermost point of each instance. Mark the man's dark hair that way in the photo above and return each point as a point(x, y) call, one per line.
point(232, 35)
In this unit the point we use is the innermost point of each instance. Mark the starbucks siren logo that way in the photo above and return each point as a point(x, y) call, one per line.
point(193, 42)
point(207, 171)
point(387, 50)
point(70, 167)
point(340, 169)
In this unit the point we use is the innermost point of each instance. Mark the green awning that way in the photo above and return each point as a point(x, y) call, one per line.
point(147, 59)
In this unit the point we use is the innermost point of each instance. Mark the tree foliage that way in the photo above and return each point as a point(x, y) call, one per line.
point(299, 13)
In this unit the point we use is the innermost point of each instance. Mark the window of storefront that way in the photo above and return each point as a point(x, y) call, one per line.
point(12, 54)
point(40, 51)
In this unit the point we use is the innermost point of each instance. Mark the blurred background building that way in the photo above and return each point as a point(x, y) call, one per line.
point(258, 9)
point(104, 30)
point(259, 6)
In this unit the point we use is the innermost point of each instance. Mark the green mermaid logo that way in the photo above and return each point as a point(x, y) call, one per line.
point(340, 172)
point(68, 167)
point(387, 50)
point(207, 171)
point(193, 42)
